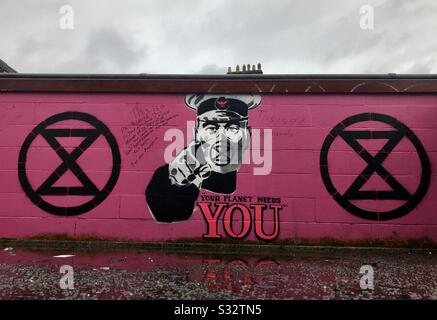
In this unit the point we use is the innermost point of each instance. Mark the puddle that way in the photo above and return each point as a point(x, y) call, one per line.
point(139, 274)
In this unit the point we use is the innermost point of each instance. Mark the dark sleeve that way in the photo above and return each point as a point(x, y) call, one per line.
point(167, 202)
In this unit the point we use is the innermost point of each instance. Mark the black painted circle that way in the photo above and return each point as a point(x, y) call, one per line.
point(99, 198)
point(415, 199)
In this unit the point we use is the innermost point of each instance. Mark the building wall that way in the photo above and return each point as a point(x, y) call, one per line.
point(292, 186)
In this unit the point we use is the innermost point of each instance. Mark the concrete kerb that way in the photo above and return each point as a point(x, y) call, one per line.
point(195, 247)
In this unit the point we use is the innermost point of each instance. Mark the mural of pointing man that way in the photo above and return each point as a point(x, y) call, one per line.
point(210, 162)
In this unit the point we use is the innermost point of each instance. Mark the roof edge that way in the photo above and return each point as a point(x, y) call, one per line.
point(140, 76)
point(250, 83)
point(4, 67)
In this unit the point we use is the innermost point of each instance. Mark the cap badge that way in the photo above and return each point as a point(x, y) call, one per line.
point(221, 103)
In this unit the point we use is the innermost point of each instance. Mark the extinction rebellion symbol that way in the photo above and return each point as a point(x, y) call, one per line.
point(69, 162)
point(375, 166)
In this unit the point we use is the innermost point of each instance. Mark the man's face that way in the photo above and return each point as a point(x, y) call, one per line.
point(223, 141)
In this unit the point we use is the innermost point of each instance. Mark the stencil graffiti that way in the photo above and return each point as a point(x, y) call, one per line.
point(69, 162)
point(375, 166)
point(210, 162)
point(255, 213)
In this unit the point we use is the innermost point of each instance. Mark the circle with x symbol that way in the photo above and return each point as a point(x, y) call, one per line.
point(69, 162)
point(375, 165)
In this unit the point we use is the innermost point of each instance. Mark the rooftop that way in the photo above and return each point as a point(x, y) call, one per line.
point(4, 68)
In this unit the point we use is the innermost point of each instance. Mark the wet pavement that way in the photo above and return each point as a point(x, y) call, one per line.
point(141, 274)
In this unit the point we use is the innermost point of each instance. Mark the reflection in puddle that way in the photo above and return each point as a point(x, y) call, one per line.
point(139, 274)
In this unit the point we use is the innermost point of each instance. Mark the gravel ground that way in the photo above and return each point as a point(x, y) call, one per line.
point(310, 274)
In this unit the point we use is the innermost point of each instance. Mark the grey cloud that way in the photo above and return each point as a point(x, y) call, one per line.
point(196, 36)
point(107, 51)
point(212, 69)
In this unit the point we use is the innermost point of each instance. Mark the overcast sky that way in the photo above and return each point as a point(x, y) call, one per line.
point(207, 36)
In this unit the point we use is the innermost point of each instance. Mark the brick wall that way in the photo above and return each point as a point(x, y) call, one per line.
point(300, 125)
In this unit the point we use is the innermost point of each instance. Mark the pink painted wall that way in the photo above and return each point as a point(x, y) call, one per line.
point(300, 124)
